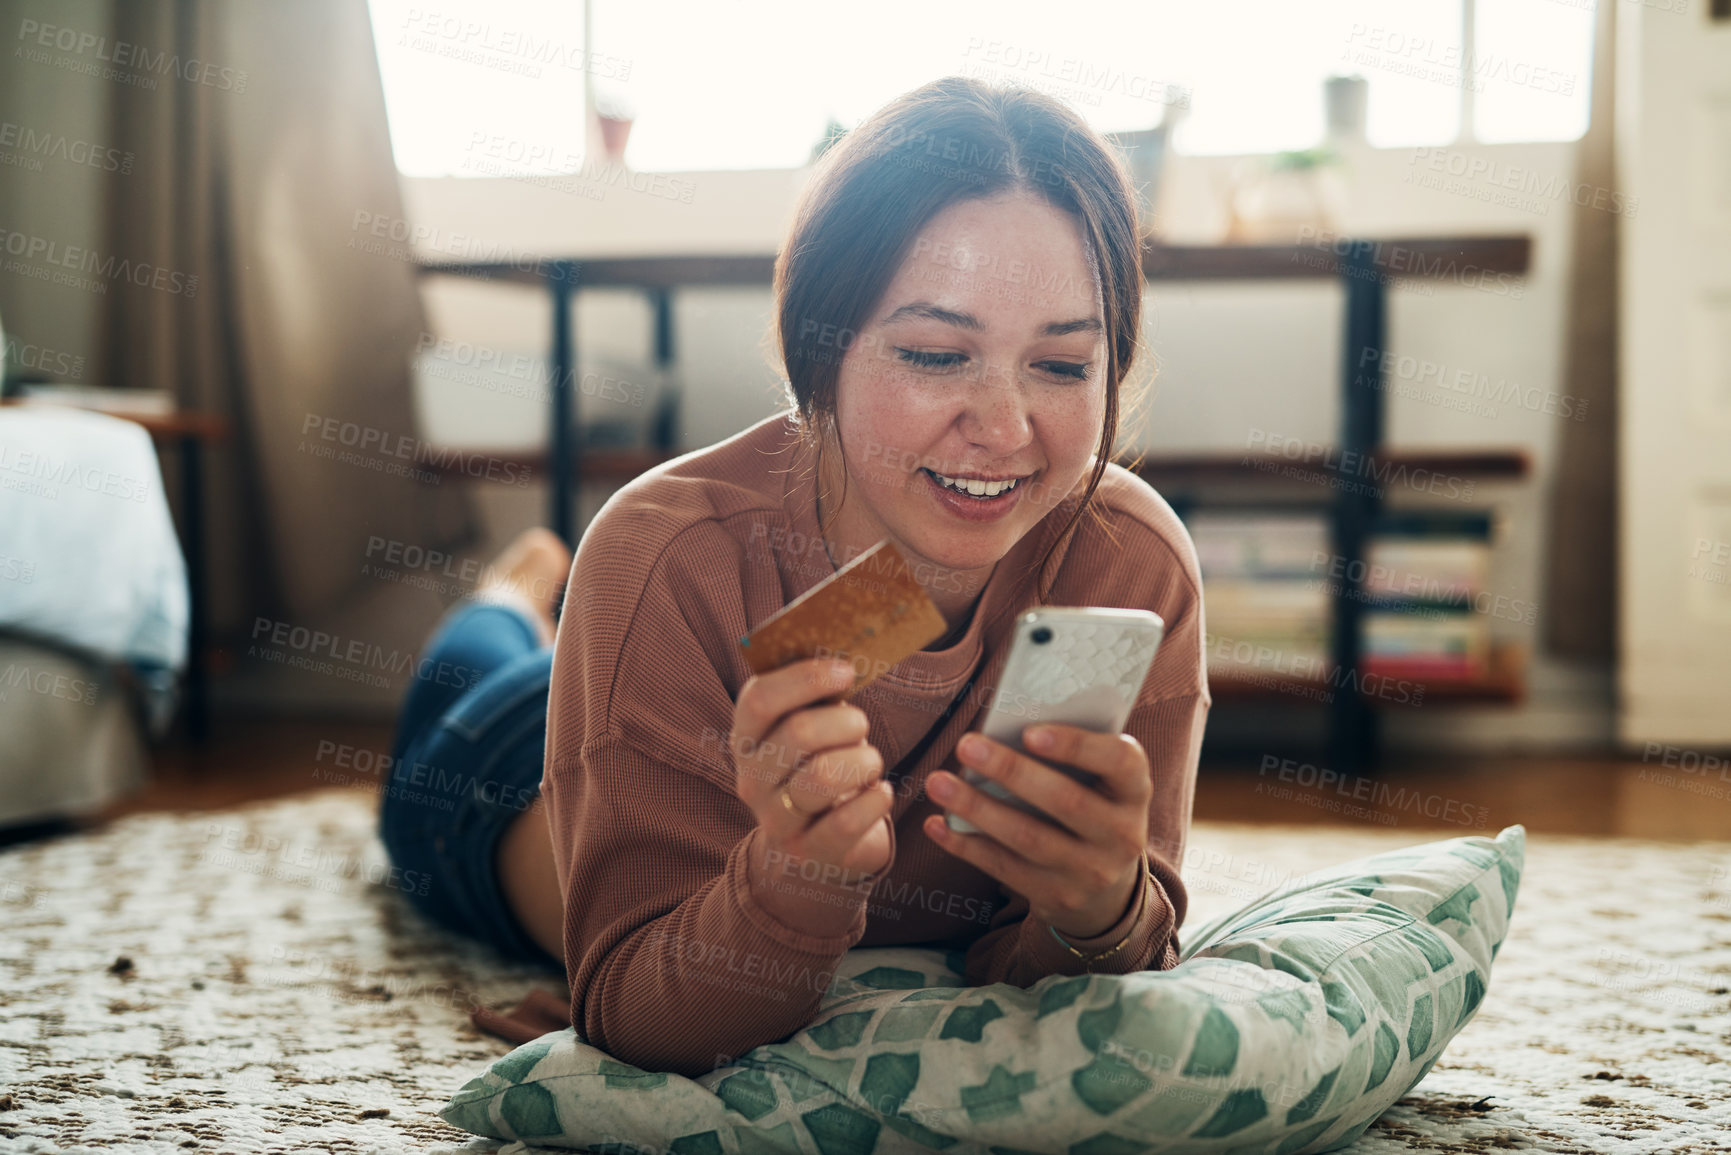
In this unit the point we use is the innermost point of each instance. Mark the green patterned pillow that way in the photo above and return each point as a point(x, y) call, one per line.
point(1288, 1027)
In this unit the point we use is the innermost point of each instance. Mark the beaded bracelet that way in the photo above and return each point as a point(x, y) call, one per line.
point(1091, 959)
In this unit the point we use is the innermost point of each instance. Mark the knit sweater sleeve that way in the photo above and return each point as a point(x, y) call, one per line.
point(673, 965)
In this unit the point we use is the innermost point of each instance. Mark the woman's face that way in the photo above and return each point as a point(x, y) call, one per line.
point(980, 372)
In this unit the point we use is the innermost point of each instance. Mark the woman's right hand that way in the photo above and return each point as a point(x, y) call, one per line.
point(814, 862)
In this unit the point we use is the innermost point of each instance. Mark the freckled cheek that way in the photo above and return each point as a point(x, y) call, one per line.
point(891, 414)
point(884, 430)
point(1070, 430)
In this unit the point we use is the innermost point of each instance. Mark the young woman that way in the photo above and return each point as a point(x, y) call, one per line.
point(957, 308)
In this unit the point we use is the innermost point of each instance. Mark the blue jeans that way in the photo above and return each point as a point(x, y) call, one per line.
point(465, 764)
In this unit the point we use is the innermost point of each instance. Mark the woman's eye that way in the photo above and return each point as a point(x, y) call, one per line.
point(924, 360)
point(1070, 369)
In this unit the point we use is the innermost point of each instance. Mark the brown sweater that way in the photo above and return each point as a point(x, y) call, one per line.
point(672, 964)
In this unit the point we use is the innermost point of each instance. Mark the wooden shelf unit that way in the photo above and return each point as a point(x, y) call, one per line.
point(609, 466)
point(1513, 463)
point(1503, 684)
point(1365, 268)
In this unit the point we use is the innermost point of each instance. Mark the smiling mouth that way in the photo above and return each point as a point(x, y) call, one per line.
point(974, 486)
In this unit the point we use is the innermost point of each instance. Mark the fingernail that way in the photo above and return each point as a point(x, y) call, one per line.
point(972, 747)
point(940, 786)
point(1040, 738)
point(841, 672)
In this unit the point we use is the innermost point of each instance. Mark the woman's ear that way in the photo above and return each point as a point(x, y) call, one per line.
point(832, 479)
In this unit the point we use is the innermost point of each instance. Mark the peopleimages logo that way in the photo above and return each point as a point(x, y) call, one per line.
point(1544, 188)
point(65, 366)
point(39, 145)
point(1471, 384)
point(61, 263)
point(1445, 62)
point(1073, 70)
point(1392, 260)
point(566, 170)
point(1388, 797)
point(48, 470)
point(16, 569)
point(367, 445)
point(355, 659)
point(34, 36)
point(1348, 465)
point(48, 683)
point(488, 367)
point(523, 49)
point(382, 235)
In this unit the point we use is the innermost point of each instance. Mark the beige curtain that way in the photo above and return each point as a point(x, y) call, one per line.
point(1580, 598)
point(250, 176)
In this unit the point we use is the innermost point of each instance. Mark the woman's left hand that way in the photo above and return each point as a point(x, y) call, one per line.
point(1079, 877)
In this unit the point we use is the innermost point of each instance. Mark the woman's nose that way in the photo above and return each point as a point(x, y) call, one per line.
point(995, 412)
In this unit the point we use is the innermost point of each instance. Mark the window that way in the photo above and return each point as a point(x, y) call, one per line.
point(482, 87)
point(1534, 62)
point(496, 87)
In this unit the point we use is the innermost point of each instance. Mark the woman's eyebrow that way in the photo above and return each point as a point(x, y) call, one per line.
point(936, 313)
point(1080, 325)
point(973, 324)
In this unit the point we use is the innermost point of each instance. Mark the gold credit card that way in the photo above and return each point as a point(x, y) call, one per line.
point(871, 612)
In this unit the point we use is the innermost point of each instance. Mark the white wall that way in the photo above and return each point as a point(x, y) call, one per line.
point(1232, 357)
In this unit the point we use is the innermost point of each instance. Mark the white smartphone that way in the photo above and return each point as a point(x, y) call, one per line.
point(1077, 666)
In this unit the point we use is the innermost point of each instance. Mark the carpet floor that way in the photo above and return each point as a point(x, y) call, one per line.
point(254, 980)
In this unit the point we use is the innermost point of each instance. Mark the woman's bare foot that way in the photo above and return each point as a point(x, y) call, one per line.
point(530, 575)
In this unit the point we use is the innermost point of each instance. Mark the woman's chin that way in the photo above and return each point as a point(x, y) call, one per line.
point(941, 548)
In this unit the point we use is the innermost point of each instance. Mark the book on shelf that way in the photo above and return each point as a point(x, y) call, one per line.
point(1269, 579)
point(1285, 603)
point(1427, 643)
point(1297, 652)
point(1479, 524)
point(1424, 573)
point(1446, 571)
point(1266, 608)
point(1231, 544)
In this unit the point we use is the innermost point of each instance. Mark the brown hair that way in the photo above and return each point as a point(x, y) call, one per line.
point(947, 141)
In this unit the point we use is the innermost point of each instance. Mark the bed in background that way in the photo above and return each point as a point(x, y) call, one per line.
point(94, 611)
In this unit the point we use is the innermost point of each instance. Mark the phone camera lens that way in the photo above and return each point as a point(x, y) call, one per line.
point(1040, 636)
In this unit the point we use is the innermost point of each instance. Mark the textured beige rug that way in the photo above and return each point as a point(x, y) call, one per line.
point(254, 981)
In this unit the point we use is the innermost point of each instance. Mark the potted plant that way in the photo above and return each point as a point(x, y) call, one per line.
point(1272, 199)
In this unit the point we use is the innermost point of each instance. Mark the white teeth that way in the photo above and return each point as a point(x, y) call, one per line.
point(975, 486)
